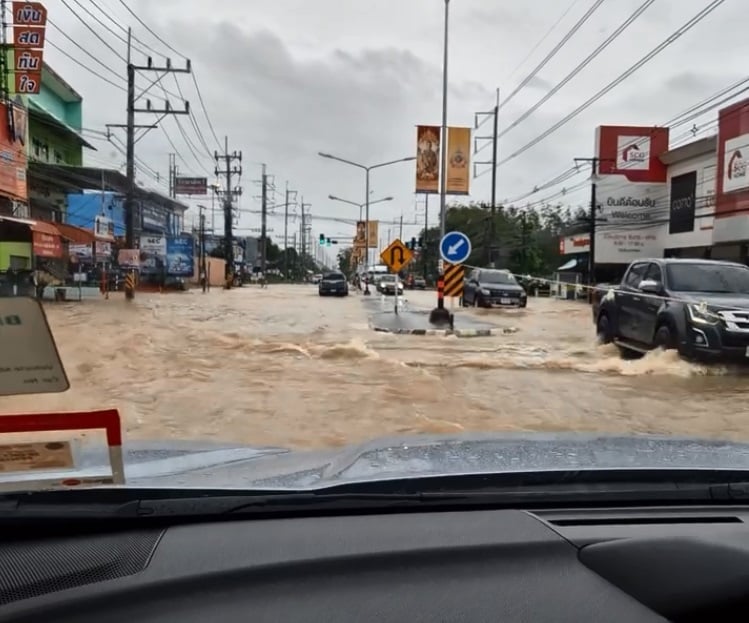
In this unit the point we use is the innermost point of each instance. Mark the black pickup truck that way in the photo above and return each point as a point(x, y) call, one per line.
point(698, 307)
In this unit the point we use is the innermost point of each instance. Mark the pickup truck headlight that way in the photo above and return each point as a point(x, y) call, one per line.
point(699, 314)
point(484, 291)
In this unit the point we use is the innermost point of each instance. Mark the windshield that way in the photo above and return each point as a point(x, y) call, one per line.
point(717, 278)
point(497, 277)
point(211, 202)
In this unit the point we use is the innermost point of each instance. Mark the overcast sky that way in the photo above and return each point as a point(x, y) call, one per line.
point(289, 78)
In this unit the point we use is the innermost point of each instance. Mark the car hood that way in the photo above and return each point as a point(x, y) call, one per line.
point(505, 287)
point(716, 301)
point(189, 464)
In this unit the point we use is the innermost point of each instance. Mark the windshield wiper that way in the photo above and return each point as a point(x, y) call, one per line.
point(144, 504)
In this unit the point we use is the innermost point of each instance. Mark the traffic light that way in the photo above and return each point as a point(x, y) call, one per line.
point(421, 243)
point(413, 244)
point(327, 242)
point(322, 239)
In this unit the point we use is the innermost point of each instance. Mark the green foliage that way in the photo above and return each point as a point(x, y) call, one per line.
point(526, 241)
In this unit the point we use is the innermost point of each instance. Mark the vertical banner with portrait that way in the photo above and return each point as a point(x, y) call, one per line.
point(427, 158)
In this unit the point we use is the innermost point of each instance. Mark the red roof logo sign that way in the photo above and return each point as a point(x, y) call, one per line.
point(736, 166)
point(632, 153)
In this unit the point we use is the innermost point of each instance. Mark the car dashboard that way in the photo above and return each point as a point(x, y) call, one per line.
point(577, 565)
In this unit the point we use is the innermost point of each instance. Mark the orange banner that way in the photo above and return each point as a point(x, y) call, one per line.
point(458, 161)
point(13, 146)
point(427, 159)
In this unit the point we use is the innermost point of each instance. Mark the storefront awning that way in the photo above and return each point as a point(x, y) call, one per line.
point(45, 237)
point(571, 265)
point(75, 234)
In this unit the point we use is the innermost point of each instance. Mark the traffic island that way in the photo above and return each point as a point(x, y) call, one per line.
point(418, 323)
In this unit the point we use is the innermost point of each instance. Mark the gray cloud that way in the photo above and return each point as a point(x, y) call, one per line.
point(286, 80)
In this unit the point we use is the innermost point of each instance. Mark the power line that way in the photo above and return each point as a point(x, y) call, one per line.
point(582, 65)
point(148, 28)
point(621, 78)
point(554, 51)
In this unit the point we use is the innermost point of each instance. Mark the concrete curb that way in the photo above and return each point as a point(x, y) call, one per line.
point(446, 332)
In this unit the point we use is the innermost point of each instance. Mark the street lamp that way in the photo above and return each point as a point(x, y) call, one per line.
point(366, 169)
point(358, 205)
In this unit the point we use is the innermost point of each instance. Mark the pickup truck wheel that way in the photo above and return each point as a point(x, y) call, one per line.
point(603, 330)
point(664, 338)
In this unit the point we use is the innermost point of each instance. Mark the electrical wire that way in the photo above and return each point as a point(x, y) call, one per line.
point(582, 65)
point(691, 23)
point(571, 33)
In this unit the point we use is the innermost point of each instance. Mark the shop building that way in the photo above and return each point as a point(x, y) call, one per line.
point(688, 201)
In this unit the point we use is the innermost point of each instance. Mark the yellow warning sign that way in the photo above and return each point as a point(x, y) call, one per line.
point(396, 256)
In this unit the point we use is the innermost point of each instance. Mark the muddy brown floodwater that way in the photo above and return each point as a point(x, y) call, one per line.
point(283, 366)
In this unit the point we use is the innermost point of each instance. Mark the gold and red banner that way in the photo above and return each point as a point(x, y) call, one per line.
point(458, 161)
point(29, 30)
point(360, 239)
point(427, 158)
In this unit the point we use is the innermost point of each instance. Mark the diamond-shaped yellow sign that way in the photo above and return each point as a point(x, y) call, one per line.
point(396, 256)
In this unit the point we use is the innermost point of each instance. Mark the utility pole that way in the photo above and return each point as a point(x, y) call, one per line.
point(400, 231)
point(264, 224)
point(201, 242)
point(172, 175)
point(289, 195)
point(228, 171)
point(425, 250)
point(494, 138)
point(130, 127)
point(595, 164)
point(304, 227)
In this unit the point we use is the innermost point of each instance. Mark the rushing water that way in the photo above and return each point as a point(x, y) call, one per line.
point(283, 366)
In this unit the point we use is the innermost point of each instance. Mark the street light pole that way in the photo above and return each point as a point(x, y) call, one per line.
point(443, 139)
point(359, 205)
point(367, 169)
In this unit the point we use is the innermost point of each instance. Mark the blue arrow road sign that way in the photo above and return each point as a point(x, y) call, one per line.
point(455, 247)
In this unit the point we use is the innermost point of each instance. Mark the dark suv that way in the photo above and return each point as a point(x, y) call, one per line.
point(698, 307)
point(333, 283)
point(486, 287)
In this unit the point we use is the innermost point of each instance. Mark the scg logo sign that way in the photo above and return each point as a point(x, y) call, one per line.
point(633, 153)
point(735, 164)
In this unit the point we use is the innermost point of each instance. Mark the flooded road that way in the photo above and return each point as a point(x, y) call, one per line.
point(282, 366)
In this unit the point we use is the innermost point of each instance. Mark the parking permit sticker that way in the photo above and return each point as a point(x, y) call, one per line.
point(23, 457)
point(29, 361)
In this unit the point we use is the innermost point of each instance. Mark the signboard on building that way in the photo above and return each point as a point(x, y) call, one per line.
point(179, 256)
point(46, 245)
point(682, 203)
point(732, 188)
point(190, 185)
point(579, 243)
point(29, 31)
point(13, 152)
point(153, 218)
point(632, 193)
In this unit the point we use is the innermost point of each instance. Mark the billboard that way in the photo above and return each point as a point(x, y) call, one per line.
point(29, 30)
point(191, 186)
point(732, 189)
point(427, 158)
point(179, 256)
point(458, 161)
point(631, 193)
point(13, 129)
